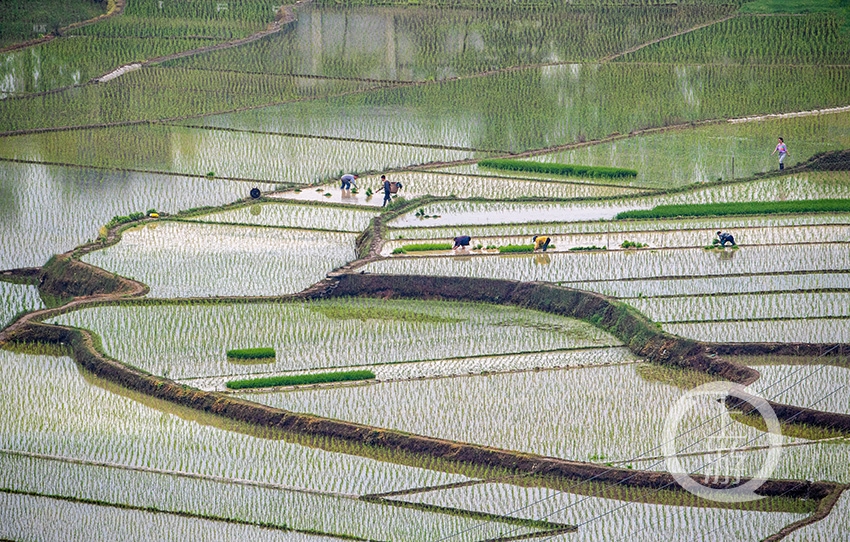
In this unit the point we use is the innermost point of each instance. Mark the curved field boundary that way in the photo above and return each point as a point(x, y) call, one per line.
point(116, 7)
point(824, 509)
point(640, 335)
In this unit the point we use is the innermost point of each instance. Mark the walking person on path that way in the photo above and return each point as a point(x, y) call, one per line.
point(783, 152)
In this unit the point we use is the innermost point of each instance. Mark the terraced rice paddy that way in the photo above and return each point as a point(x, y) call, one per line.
point(48, 210)
point(228, 154)
point(225, 260)
point(635, 521)
point(559, 421)
point(292, 216)
point(17, 299)
point(57, 519)
point(286, 99)
point(325, 335)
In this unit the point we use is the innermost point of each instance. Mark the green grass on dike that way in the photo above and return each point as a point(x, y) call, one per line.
point(295, 380)
point(557, 169)
point(741, 208)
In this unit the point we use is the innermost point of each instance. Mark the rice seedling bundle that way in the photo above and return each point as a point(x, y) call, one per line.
point(742, 208)
point(300, 379)
point(558, 169)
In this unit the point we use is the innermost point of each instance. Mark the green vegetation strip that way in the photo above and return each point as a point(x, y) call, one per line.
point(742, 208)
point(558, 169)
point(295, 380)
point(251, 353)
point(422, 247)
point(516, 248)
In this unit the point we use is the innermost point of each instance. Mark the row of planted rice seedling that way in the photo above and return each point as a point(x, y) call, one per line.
point(813, 460)
point(464, 366)
point(96, 421)
point(713, 285)
point(596, 414)
point(802, 186)
point(218, 153)
point(16, 299)
point(153, 93)
point(192, 339)
point(654, 239)
point(463, 186)
point(287, 215)
point(623, 264)
point(77, 59)
point(749, 306)
point(523, 110)
point(812, 383)
point(61, 519)
point(245, 503)
point(426, 44)
point(608, 519)
point(49, 210)
point(20, 22)
point(827, 330)
point(801, 228)
point(183, 259)
point(815, 38)
point(824, 530)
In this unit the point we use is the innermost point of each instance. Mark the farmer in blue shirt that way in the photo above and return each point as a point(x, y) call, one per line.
point(347, 181)
point(725, 238)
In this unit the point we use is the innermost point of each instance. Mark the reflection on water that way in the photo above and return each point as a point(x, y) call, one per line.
point(542, 259)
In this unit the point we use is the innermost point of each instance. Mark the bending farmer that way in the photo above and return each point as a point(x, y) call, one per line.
point(462, 241)
point(347, 181)
point(541, 242)
point(724, 238)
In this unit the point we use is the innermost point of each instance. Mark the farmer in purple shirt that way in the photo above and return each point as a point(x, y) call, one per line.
point(783, 152)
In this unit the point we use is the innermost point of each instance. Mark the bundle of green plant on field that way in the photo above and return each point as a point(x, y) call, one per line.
point(419, 247)
point(295, 380)
point(633, 244)
point(251, 353)
point(741, 208)
point(558, 169)
point(516, 248)
point(591, 247)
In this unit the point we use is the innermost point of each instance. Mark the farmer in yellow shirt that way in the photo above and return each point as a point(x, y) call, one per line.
point(541, 242)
